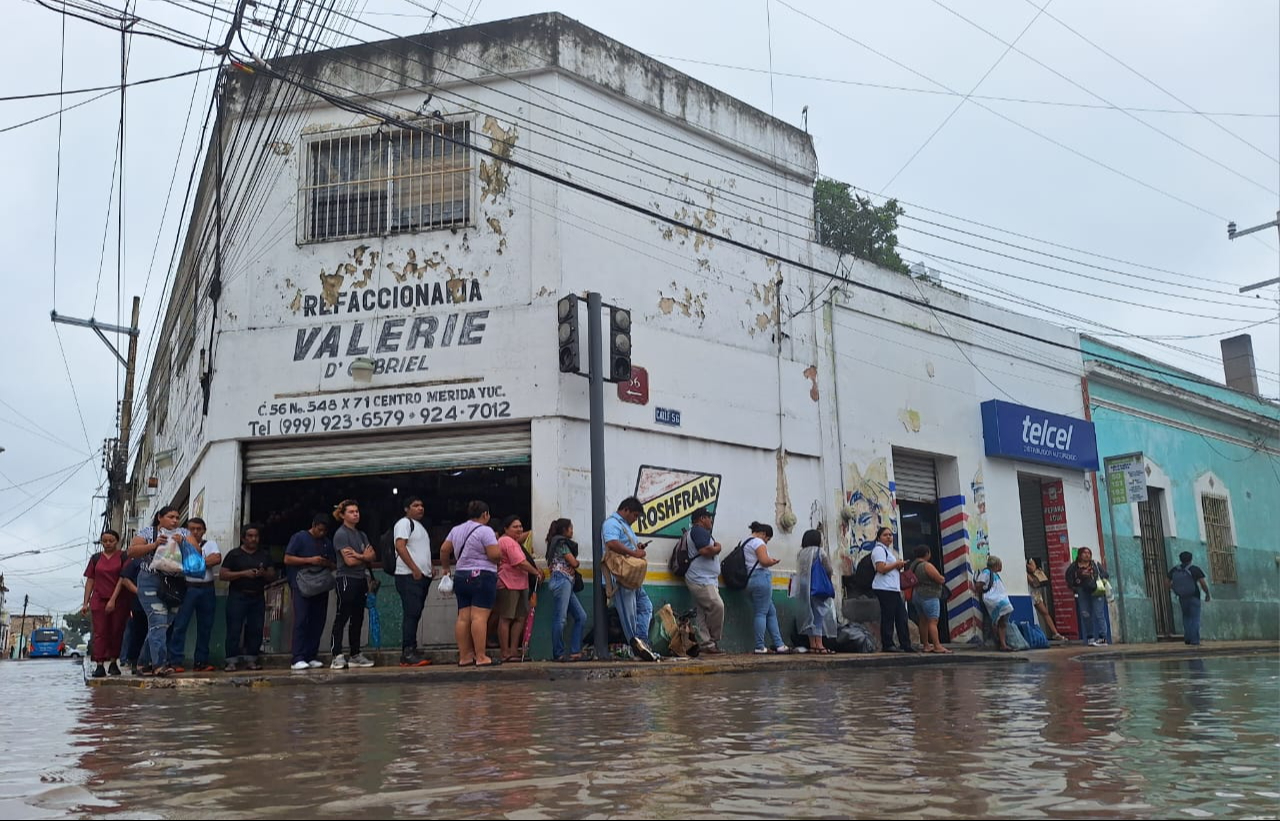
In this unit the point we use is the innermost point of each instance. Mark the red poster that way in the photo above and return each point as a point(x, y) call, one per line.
point(1055, 531)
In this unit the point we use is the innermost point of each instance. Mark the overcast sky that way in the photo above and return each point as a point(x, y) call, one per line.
point(1112, 185)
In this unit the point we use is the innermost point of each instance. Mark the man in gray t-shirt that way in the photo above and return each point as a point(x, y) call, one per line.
point(703, 581)
point(355, 554)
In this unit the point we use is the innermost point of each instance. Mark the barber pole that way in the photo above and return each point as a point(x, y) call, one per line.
point(964, 617)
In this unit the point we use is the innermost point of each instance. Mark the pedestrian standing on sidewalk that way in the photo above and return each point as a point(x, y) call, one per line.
point(306, 550)
point(927, 597)
point(996, 599)
point(702, 579)
point(355, 553)
point(1091, 603)
point(125, 597)
point(760, 589)
point(814, 593)
point(512, 603)
point(200, 602)
point(413, 578)
point(562, 559)
point(1186, 581)
point(887, 586)
point(103, 575)
point(160, 611)
point(247, 569)
point(635, 610)
point(1037, 581)
point(475, 584)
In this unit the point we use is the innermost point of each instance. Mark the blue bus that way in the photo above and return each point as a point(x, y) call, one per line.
point(46, 642)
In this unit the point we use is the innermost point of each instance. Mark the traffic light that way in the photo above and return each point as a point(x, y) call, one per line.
point(619, 345)
point(570, 350)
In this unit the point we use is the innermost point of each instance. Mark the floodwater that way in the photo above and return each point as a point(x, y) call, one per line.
point(1060, 739)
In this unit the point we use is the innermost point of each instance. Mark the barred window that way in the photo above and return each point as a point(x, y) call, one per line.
point(368, 183)
point(1217, 531)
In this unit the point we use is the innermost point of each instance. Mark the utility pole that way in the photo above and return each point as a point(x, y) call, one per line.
point(22, 638)
point(118, 459)
point(1232, 233)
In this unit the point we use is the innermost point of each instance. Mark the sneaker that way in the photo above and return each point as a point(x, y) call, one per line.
point(761, 651)
point(313, 664)
point(642, 650)
point(300, 666)
point(782, 649)
point(360, 660)
point(113, 669)
point(339, 662)
point(413, 660)
point(100, 671)
point(204, 668)
point(178, 669)
point(1099, 642)
point(257, 665)
point(712, 651)
point(230, 668)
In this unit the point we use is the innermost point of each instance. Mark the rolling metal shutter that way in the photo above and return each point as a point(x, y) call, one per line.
point(1034, 541)
point(366, 454)
point(914, 477)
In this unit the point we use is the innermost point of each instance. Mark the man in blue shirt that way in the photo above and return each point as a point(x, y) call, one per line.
point(308, 548)
point(635, 611)
point(703, 581)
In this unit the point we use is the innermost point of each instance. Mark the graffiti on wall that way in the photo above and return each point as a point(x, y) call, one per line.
point(979, 536)
point(869, 503)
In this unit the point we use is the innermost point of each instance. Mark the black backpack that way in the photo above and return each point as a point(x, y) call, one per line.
point(387, 548)
point(864, 574)
point(733, 570)
point(682, 555)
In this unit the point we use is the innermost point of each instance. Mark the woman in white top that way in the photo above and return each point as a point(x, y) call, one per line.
point(888, 589)
point(996, 598)
point(760, 587)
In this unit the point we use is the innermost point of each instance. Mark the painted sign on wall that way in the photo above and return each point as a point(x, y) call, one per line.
point(1031, 435)
point(1055, 531)
point(670, 495)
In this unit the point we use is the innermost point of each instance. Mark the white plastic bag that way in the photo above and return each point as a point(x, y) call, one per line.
point(446, 585)
point(168, 558)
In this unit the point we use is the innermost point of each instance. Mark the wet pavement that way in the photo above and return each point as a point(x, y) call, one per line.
point(1097, 736)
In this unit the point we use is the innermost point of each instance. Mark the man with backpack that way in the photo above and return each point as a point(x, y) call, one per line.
point(1186, 581)
point(701, 579)
point(409, 560)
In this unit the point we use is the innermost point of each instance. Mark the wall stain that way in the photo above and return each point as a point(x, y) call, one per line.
point(690, 304)
point(330, 285)
point(811, 373)
point(495, 175)
point(910, 419)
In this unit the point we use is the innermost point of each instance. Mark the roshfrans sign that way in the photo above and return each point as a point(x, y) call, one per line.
point(1031, 435)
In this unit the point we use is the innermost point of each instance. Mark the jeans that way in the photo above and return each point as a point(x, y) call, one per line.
point(1093, 616)
point(309, 614)
point(893, 613)
point(710, 608)
point(635, 611)
point(760, 591)
point(1190, 618)
point(201, 601)
point(413, 598)
point(245, 616)
point(159, 618)
point(350, 615)
point(565, 603)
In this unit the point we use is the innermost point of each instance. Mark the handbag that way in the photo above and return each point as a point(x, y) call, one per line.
point(313, 581)
point(578, 584)
point(820, 586)
point(629, 571)
point(171, 590)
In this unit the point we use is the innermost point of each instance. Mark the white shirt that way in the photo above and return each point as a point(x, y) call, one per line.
point(753, 558)
point(209, 550)
point(885, 581)
point(418, 544)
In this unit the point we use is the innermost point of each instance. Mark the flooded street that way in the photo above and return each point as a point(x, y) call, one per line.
point(1100, 739)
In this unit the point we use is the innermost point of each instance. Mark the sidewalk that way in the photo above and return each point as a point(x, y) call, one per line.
point(445, 669)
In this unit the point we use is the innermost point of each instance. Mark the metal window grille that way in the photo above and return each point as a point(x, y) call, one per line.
point(1217, 530)
point(370, 183)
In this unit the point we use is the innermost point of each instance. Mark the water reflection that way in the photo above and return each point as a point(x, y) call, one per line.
point(1062, 739)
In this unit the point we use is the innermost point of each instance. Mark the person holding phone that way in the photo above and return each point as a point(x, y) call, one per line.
point(635, 611)
point(248, 569)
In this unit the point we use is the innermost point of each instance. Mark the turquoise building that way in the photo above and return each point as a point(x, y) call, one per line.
point(1212, 462)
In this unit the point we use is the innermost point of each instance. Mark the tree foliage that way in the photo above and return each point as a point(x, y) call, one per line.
point(852, 224)
point(78, 624)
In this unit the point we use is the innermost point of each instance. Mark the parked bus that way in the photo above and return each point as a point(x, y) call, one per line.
point(46, 642)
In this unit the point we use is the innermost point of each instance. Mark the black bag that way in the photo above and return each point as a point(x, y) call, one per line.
point(854, 638)
point(682, 555)
point(578, 584)
point(172, 590)
point(864, 574)
point(387, 549)
point(733, 570)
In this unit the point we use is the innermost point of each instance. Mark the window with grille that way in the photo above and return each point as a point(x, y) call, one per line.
point(369, 183)
point(1217, 531)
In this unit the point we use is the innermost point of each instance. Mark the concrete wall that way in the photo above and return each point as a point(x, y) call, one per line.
point(1196, 439)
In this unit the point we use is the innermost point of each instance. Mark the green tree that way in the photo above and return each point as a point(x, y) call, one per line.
point(852, 224)
point(78, 624)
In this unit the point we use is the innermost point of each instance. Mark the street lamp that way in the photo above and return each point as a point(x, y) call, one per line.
point(20, 553)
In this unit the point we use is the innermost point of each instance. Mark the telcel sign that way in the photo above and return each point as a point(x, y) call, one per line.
point(1031, 435)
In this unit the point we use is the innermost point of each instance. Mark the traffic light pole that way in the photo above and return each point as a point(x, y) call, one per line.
point(599, 502)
